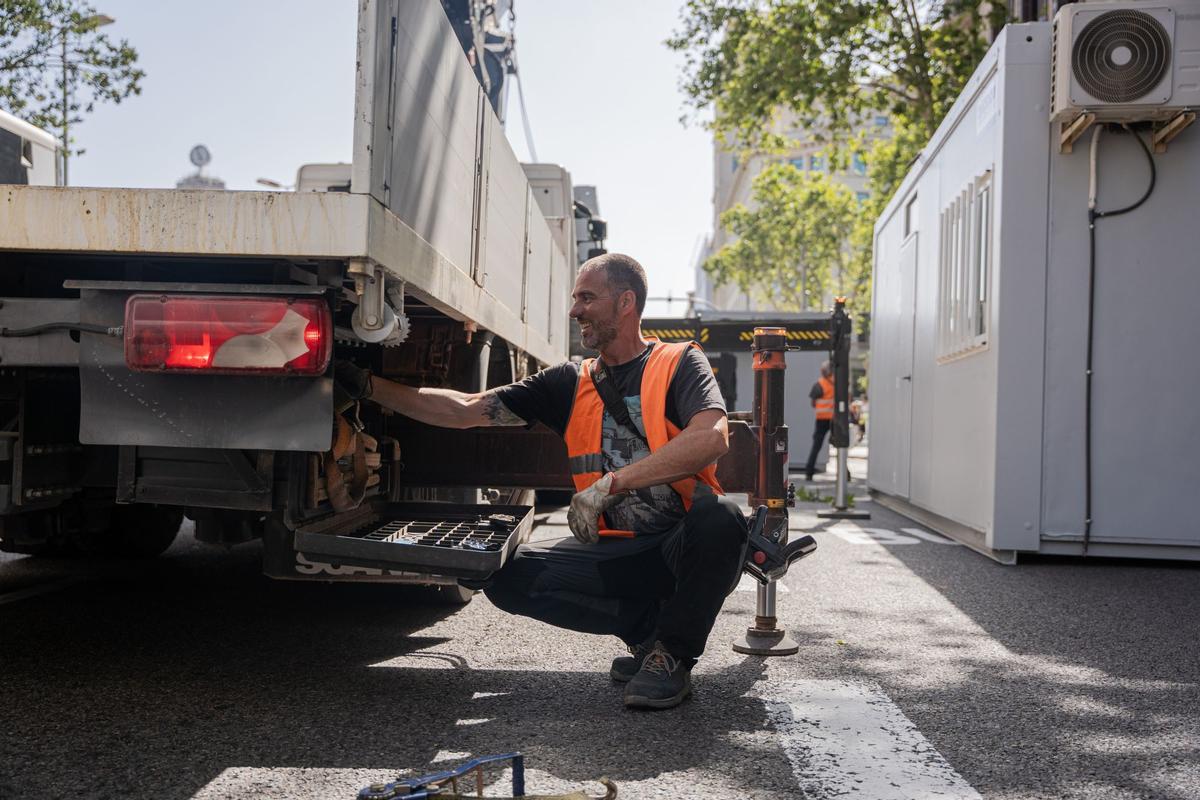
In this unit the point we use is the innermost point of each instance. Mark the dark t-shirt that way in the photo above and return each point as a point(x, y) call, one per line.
point(548, 396)
point(816, 392)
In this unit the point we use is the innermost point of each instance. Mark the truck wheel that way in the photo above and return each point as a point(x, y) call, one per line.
point(142, 531)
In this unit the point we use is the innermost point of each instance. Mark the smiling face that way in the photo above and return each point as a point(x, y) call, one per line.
point(597, 308)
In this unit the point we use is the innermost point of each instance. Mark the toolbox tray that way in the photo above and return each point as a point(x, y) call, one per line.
point(462, 541)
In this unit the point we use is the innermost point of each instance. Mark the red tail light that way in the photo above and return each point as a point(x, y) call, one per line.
point(219, 333)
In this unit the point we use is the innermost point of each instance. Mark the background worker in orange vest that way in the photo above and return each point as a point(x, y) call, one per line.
point(821, 396)
point(656, 545)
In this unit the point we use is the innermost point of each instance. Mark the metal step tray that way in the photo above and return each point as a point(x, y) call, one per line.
point(462, 541)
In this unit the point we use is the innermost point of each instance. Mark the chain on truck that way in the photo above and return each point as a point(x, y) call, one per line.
point(168, 352)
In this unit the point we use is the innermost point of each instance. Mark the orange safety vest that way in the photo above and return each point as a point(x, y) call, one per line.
point(824, 405)
point(584, 428)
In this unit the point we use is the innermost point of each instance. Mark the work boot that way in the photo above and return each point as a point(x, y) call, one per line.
point(625, 667)
point(664, 681)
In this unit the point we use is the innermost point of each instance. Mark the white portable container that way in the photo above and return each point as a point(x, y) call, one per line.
point(982, 423)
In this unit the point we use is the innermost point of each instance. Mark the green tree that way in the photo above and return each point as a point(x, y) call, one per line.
point(800, 237)
point(831, 65)
point(55, 66)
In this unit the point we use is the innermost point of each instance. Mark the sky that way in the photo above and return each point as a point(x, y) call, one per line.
point(268, 85)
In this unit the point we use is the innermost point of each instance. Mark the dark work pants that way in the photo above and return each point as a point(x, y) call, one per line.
point(819, 432)
point(668, 586)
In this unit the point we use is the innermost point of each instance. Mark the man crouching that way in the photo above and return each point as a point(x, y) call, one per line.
point(657, 547)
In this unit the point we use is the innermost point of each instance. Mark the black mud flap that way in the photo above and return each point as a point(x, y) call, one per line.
point(444, 539)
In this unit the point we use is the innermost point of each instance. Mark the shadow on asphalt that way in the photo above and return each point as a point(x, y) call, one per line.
point(154, 684)
point(1100, 697)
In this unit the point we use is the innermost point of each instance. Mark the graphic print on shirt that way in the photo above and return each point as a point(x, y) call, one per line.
point(655, 509)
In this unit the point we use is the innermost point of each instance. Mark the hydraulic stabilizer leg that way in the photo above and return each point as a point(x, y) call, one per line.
point(841, 328)
point(769, 553)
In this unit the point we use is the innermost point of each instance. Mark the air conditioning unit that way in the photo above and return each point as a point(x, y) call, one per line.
point(1126, 61)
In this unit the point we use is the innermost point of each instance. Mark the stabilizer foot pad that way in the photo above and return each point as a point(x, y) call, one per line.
point(759, 642)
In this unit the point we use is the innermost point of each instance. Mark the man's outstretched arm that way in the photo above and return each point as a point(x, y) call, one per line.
point(703, 441)
point(445, 408)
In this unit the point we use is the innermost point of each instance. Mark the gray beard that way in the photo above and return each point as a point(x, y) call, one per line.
point(598, 337)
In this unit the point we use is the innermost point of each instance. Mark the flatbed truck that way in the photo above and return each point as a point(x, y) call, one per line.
point(169, 352)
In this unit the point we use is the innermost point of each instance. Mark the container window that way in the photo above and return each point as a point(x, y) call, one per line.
point(983, 255)
point(964, 269)
point(910, 216)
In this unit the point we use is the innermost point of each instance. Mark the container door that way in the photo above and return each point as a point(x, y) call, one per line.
point(902, 421)
point(892, 369)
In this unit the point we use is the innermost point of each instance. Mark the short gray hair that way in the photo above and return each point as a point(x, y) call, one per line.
point(624, 274)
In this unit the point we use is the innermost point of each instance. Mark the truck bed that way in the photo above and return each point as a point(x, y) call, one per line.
point(280, 225)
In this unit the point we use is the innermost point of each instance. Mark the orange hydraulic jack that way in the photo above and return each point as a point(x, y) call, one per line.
point(769, 554)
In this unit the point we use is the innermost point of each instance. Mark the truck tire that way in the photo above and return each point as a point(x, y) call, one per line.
point(142, 531)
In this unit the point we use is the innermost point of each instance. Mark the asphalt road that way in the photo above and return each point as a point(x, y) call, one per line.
point(193, 676)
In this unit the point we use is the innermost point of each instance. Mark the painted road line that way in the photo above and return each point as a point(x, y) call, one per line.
point(849, 740)
point(34, 591)
point(929, 536)
point(872, 536)
point(889, 537)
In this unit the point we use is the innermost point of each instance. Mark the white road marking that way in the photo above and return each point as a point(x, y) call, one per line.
point(845, 740)
point(748, 584)
point(849, 740)
point(929, 536)
point(34, 591)
point(885, 536)
point(873, 536)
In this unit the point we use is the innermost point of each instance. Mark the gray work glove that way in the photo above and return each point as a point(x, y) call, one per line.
point(583, 517)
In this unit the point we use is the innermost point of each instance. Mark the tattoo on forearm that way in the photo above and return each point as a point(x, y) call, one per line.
point(497, 413)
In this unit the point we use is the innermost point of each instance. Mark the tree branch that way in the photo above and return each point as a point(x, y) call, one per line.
point(891, 89)
point(914, 18)
point(23, 60)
